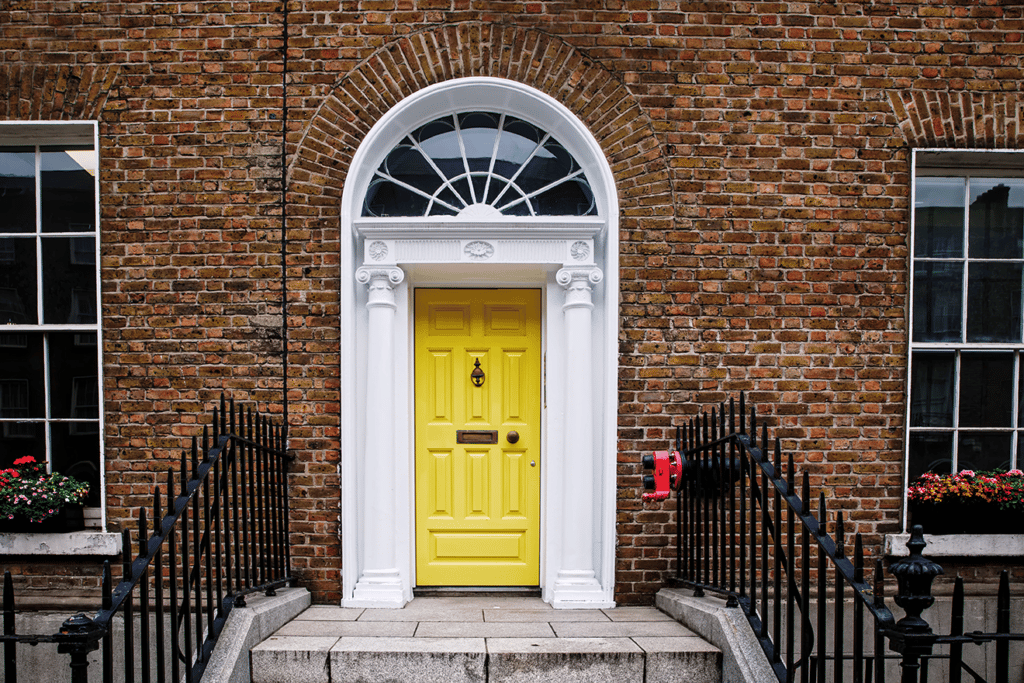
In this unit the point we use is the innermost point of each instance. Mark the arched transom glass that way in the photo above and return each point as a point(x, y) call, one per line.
point(479, 165)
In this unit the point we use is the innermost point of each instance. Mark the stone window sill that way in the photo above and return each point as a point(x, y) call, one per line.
point(960, 545)
point(88, 542)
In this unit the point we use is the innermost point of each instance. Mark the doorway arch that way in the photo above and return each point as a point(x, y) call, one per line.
point(573, 260)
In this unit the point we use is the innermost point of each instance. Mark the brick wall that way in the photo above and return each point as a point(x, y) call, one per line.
point(761, 154)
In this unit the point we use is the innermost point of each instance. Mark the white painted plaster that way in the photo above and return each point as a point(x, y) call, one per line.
point(521, 253)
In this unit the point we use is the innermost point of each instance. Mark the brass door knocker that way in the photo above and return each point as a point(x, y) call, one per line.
point(477, 375)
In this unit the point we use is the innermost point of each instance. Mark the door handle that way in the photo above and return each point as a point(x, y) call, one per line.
point(512, 436)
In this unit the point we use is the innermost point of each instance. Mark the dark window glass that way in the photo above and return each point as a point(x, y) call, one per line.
point(486, 158)
point(479, 132)
point(996, 218)
point(385, 198)
point(73, 387)
point(18, 439)
point(17, 189)
point(986, 389)
point(18, 281)
point(932, 390)
point(550, 164)
point(938, 296)
point(68, 189)
point(930, 452)
point(76, 453)
point(69, 284)
point(939, 217)
point(571, 198)
point(22, 384)
point(993, 301)
point(983, 451)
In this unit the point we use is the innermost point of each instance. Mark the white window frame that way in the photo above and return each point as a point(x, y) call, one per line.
point(968, 164)
point(53, 133)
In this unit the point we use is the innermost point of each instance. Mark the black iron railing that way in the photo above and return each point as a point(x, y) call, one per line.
point(223, 535)
point(744, 531)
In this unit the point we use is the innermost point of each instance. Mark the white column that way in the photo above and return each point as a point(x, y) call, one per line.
point(576, 583)
point(380, 582)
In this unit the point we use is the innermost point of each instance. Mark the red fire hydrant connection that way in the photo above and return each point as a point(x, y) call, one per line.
point(667, 472)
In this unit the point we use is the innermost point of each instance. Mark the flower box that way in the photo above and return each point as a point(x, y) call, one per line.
point(68, 518)
point(966, 518)
point(968, 502)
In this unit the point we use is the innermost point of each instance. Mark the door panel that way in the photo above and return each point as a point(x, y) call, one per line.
point(477, 504)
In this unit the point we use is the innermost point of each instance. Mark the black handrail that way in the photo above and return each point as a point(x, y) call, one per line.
point(739, 517)
point(204, 578)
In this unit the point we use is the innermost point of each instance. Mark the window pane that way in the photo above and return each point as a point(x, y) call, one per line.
point(551, 163)
point(938, 296)
point(68, 189)
point(986, 389)
point(18, 281)
point(21, 376)
point(69, 281)
point(73, 386)
point(518, 140)
point(76, 453)
point(997, 218)
point(571, 198)
point(939, 217)
point(930, 452)
point(932, 390)
point(993, 302)
point(479, 131)
point(17, 189)
point(983, 451)
point(385, 198)
point(18, 439)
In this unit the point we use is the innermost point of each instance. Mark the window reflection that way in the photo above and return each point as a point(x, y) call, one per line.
point(460, 163)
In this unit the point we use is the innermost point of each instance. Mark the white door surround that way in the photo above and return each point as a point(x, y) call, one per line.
point(573, 260)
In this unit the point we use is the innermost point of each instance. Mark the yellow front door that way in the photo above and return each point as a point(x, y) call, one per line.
point(478, 437)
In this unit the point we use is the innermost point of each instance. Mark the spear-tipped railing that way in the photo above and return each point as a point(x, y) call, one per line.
point(744, 531)
point(222, 536)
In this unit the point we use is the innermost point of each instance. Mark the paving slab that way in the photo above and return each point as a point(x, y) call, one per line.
point(565, 660)
point(550, 615)
point(286, 659)
point(441, 613)
point(348, 628)
point(409, 660)
point(636, 614)
point(328, 613)
point(487, 629)
point(619, 629)
point(481, 602)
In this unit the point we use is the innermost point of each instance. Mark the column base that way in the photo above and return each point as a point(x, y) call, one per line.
point(579, 589)
point(379, 588)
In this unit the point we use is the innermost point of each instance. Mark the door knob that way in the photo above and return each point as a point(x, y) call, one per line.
point(513, 436)
point(533, 463)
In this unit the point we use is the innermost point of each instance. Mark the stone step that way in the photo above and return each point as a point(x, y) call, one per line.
point(438, 641)
point(291, 659)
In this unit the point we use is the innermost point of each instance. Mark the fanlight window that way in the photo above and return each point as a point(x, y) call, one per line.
point(479, 165)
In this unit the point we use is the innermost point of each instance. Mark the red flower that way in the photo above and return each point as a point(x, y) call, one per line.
point(26, 460)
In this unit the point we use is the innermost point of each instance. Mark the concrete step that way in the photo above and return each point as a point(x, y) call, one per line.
point(511, 640)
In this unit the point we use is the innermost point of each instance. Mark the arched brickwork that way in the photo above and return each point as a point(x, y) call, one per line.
point(40, 92)
point(986, 120)
point(319, 162)
point(321, 157)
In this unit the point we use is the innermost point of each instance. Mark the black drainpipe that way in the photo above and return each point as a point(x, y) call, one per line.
point(284, 217)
